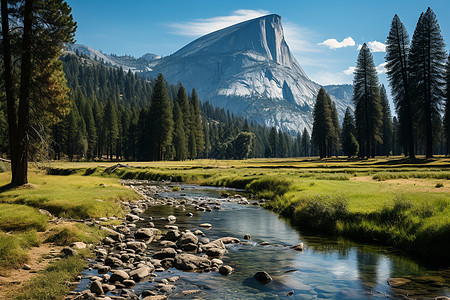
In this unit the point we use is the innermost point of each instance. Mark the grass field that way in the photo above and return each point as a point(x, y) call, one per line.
point(394, 201)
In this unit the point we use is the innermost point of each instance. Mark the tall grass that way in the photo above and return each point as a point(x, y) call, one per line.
point(14, 248)
point(20, 217)
point(67, 234)
point(51, 283)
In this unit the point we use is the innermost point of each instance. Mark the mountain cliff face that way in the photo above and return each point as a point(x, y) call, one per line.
point(248, 69)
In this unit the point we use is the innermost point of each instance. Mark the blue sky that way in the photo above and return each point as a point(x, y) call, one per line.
point(323, 35)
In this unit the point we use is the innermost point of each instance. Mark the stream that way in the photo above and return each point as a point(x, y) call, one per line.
point(327, 268)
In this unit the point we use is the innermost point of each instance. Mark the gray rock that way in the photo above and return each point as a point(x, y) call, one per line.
point(298, 247)
point(141, 273)
point(108, 287)
point(225, 270)
point(187, 238)
point(247, 237)
point(103, 269)
point(113, 234)
point(157, 297)
point(144, 233)
point(167, 288)
point(263, 276)
point(168, 244)
point(78, 245)
point(172, 235)
point(190, 292)
point(138, 246)
point(128, 282)
point(113, 262)
point(229, 240)
point(167, 263)
point(45, 212)
point(132, 218)
point(165, 253)
point(96, 287)
point(67, 251)
point(171, 218)
point(189, 262)
point(119, 275)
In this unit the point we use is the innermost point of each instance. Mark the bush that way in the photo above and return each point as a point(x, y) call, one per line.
point(269, 187)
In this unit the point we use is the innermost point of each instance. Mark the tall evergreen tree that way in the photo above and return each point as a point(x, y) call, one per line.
point(111, 128)
point(179, 136)
point(183, 102)
point(397, 52)
point(196, 123)
point(335, 140)
point(366, 98)
point(274, 143)
point(350, 146)
point(427, 64)
point(306, 144)
point(323, 130)
point(161, 119)
point(447, 108)
point(386, 129)
point(33, 79)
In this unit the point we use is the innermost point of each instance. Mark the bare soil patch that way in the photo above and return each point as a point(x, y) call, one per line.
point(426, 185)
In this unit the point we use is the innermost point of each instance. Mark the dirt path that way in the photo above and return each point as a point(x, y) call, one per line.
point(12, 280)
point(426, 185)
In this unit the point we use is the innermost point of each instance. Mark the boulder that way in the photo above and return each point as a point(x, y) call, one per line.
point(132, 218)
point(187, 238)
point(137, 246)
point(144, 233)
point(214, 248)
point(189, 262)
point(119, 275)
point(67, 251)
point(142, 272)
point(263, 277)
point(113, 234)
point(172, 235)
point(165, 253)
point(96, 287)
point(298, 247)
point(78, 245)
point(225, 270)
point(113, 262)
point(229, 240)
point(168, 244)
point(103, 269)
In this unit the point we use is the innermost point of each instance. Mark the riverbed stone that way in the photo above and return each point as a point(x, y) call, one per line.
point(205, 225)
point(247, 237)
point(398, 282)
point(189, 262)
point(144, 233)
point(119, 275)
point(187, 238)
point(263, 277)
point(298, 247)
point(96, 287)
point(165, 253)
point(172, 235)
point(129, 282)
point(138, 246)
point(157, 297)
point(167, 262)
point(142, 272)
point(113, 262)
point(132, 218)
point(229, 240)
point(67, 251)
point(171, 218)
point(226, 270)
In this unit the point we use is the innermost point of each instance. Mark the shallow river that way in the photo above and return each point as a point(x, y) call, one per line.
point(327, 268)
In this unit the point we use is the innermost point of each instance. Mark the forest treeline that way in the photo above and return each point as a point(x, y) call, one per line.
point(419, 75)
point(118, 115)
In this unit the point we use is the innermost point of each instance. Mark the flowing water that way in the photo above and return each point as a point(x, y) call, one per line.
point(328, 268)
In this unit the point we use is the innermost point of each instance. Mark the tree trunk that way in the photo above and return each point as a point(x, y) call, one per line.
point(10, 99)
point(24, 97)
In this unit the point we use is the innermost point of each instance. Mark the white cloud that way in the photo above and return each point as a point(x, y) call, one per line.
point(201, 27)
point(349, 71)
point(381, 68)
point(375, 46)
point(335, 44)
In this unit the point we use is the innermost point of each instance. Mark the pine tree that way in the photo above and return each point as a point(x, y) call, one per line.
point(111, 128)
point(366, 98)
point(183, 102)
point(196, 123)
point(397, 52)
point(161, 119)
point(349, 144)
point(427, 64)
point(335, 141)
point(323, 130)
point(33, 80)
point(273, 142)
point(306, 143)
point(386, 128)
point(447, 109)
point(179, 136)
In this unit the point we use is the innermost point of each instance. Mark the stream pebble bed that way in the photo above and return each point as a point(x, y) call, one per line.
point(191, 242)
